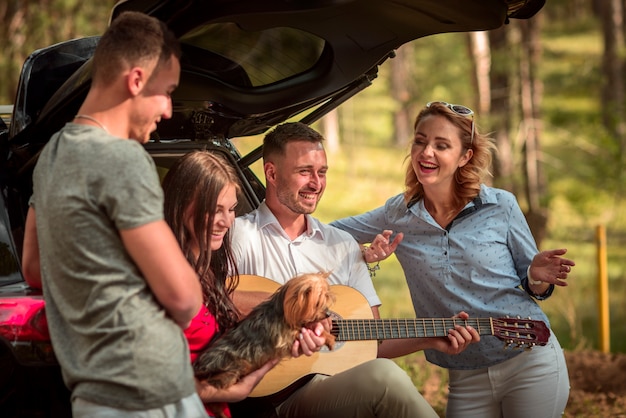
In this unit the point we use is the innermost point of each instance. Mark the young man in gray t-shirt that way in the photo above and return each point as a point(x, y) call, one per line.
point(117, 287)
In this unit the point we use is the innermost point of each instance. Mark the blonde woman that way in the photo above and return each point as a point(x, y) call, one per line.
point(466, 246)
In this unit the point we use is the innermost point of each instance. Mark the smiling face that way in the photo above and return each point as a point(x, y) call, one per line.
point(437, 153)
point(154, 101)
point(298, 178)
point(222, 221)
point(224, 215)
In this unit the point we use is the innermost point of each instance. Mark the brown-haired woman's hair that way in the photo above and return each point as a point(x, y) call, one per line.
point(467, 178)
point(197, 179)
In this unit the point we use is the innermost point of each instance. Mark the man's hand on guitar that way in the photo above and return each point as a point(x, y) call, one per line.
point(310, 339)
point(458, 339)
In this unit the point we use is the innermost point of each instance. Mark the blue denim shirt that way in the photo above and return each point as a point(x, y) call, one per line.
point(477, 264)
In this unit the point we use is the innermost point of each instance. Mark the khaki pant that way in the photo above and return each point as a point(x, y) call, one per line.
point(378, 388)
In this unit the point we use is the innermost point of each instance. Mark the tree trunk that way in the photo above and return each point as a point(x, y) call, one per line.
point(481, 53)
point(12, 38)
point(612, 66)
point(501, 109)
point(330, 123)
point(48, 23)
point(400, 82)
point(531, 91)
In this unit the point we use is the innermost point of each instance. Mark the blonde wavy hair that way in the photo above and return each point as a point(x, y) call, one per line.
point(467, 178)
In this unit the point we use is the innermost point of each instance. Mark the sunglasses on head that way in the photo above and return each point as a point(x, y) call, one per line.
point(459, 110)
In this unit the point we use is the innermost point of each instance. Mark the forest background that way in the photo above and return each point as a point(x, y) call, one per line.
point(550, 89)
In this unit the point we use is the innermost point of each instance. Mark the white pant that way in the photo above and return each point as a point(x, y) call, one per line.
point(532, 384)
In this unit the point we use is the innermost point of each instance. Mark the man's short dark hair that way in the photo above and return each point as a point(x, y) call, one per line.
point(133, 39)
point(275, 141)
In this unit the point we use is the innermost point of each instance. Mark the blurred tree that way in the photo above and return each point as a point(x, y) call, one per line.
point(330, 123)
point(531, 93)
point(401, 92)
point(612, 103)
point(481, 52)
point(500, 108)
point(28, 25)
point(12, 39)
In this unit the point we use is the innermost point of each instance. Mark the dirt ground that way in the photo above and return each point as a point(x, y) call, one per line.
point(598, 384)
point(597, 381)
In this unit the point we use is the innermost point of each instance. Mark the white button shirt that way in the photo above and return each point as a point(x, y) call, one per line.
point(261, 247)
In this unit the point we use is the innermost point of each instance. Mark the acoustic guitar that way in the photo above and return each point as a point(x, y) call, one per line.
point(357, 333)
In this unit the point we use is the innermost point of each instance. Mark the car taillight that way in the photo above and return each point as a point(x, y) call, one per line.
point(23, 319)
point(23, 325)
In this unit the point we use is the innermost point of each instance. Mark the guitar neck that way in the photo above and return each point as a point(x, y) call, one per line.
point(384, 329)
point(353, 324)
point(352, 305)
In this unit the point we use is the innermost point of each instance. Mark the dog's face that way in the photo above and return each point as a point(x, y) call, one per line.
point(307, 299)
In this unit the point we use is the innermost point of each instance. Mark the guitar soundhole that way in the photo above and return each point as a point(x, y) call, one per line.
point(338, 344)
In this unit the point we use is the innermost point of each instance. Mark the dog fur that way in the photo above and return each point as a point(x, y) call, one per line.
point(268, 332)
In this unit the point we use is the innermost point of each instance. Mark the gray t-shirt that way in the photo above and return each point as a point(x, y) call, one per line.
point(115, 343)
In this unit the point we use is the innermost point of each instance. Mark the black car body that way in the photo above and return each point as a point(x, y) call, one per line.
point(247, 66)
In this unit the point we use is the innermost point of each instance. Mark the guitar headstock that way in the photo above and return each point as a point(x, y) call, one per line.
point(522, 333)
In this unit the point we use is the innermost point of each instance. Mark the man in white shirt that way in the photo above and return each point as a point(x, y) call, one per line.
point(262, 246)
point(281, 239)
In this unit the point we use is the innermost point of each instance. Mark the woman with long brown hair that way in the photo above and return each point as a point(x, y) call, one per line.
point(200, 199)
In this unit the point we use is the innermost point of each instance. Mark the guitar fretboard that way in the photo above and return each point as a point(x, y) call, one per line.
point(383, 329)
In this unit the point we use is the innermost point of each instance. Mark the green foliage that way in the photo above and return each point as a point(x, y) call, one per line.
point(573, 140)
point(26, 26)
point(431, 380)
point(367, 121)
point(581, 159)
point(573, 310)
point(442, 70)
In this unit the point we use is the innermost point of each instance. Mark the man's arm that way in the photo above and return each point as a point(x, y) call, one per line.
point(31, 267)
point(173, 281)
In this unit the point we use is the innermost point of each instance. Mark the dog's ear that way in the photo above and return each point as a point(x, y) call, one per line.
point(307, 299)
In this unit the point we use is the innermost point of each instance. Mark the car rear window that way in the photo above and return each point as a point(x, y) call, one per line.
point(264, 56)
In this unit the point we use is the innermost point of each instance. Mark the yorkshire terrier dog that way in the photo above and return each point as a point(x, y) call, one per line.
point(268, 332)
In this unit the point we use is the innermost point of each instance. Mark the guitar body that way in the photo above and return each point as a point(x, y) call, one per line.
point(357, 332)
point(344, 356)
